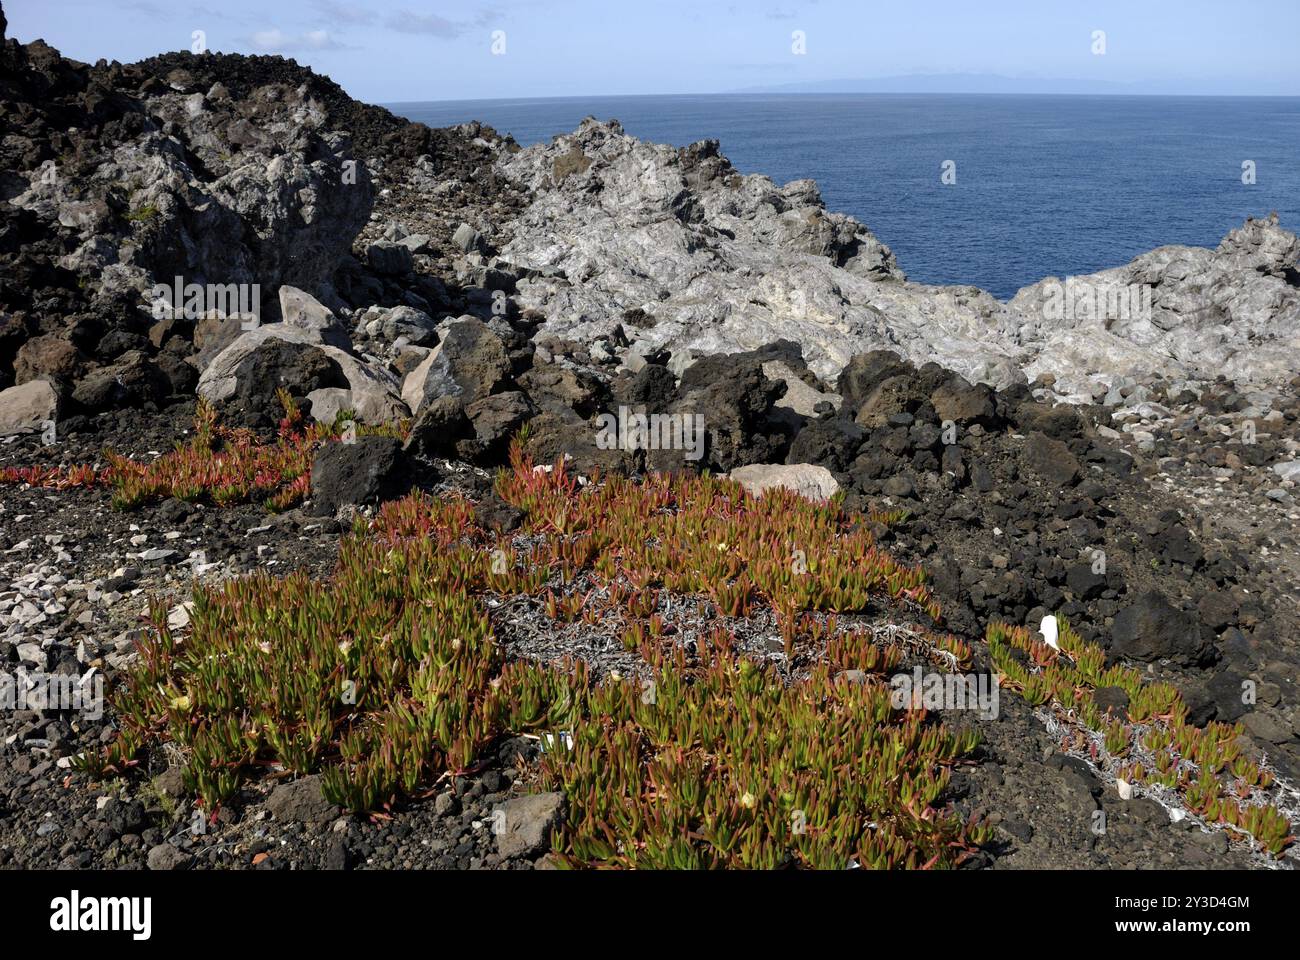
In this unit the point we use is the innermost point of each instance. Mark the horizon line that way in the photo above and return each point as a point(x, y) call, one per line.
point(858, 93)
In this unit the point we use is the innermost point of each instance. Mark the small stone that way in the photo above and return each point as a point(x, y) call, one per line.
point(527, 823)
point(164, 856)
point(445, 803)
point(301, 801)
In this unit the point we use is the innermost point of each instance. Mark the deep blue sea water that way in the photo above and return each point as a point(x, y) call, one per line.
point(1046, 185)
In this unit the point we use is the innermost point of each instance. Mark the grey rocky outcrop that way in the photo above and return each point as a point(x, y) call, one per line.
point(213, 190)
point(470, 362)
point(1233, 311)
point(689, 256)
point(709, 261)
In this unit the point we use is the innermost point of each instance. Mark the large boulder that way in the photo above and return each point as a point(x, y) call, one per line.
point(1152, 629)
point(833, 443)
point(556, 437)
point(393, 259)
point(414, 325)
point(469, 362)
point(300, 370)
point(50, 356)
point(130, 381)
point(865, 372)
point(893, 395)
point(496, 419)
point(363, 472)
point(963, 402)
point(220, 378)
point(280, 355)
point(27, 407)
point(730, 398)
point(1050, 460)
point(441, 424)
point(372, 392)
point(562, 389)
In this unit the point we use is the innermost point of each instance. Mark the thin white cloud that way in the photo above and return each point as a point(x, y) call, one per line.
point(407, 21)
point(402, 20)
point(275, 40)
point(336, 12)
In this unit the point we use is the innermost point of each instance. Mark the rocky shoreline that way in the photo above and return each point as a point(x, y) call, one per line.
point(1119, 450)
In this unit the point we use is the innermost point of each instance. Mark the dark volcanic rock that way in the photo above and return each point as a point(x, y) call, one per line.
point(733, 399)
point(471, 362)
point(1112, 700)
point(553, 437)
point(495, 419)
point(301, 800)
point(278, 365)
point(561, 389)
point(893, 395)
point(864, 373)
point(1153, 629)
point(1083, 583)
point(436, 430)
point(963, 402)
point(132, 380)
point(1050, 459)
point(653, 386)
point(832, 443)
point(368, 471)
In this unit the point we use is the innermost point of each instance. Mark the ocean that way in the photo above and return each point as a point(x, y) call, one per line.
point(1045, 185)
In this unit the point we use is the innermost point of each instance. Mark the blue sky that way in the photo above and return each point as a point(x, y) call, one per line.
point(395, 50)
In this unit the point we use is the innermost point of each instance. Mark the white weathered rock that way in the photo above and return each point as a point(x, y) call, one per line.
point(373, 390)
point(800, 398)
point(300, 309)
point(32, 653)
point(1288, 470)
point(724, 262)
point(178, 617)
point(1228, 311)
point(809, 481)
point(27, 407)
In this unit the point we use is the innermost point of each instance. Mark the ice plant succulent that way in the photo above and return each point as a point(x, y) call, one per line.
point(397, 670)
point(219, 464)
point(1157, 745)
